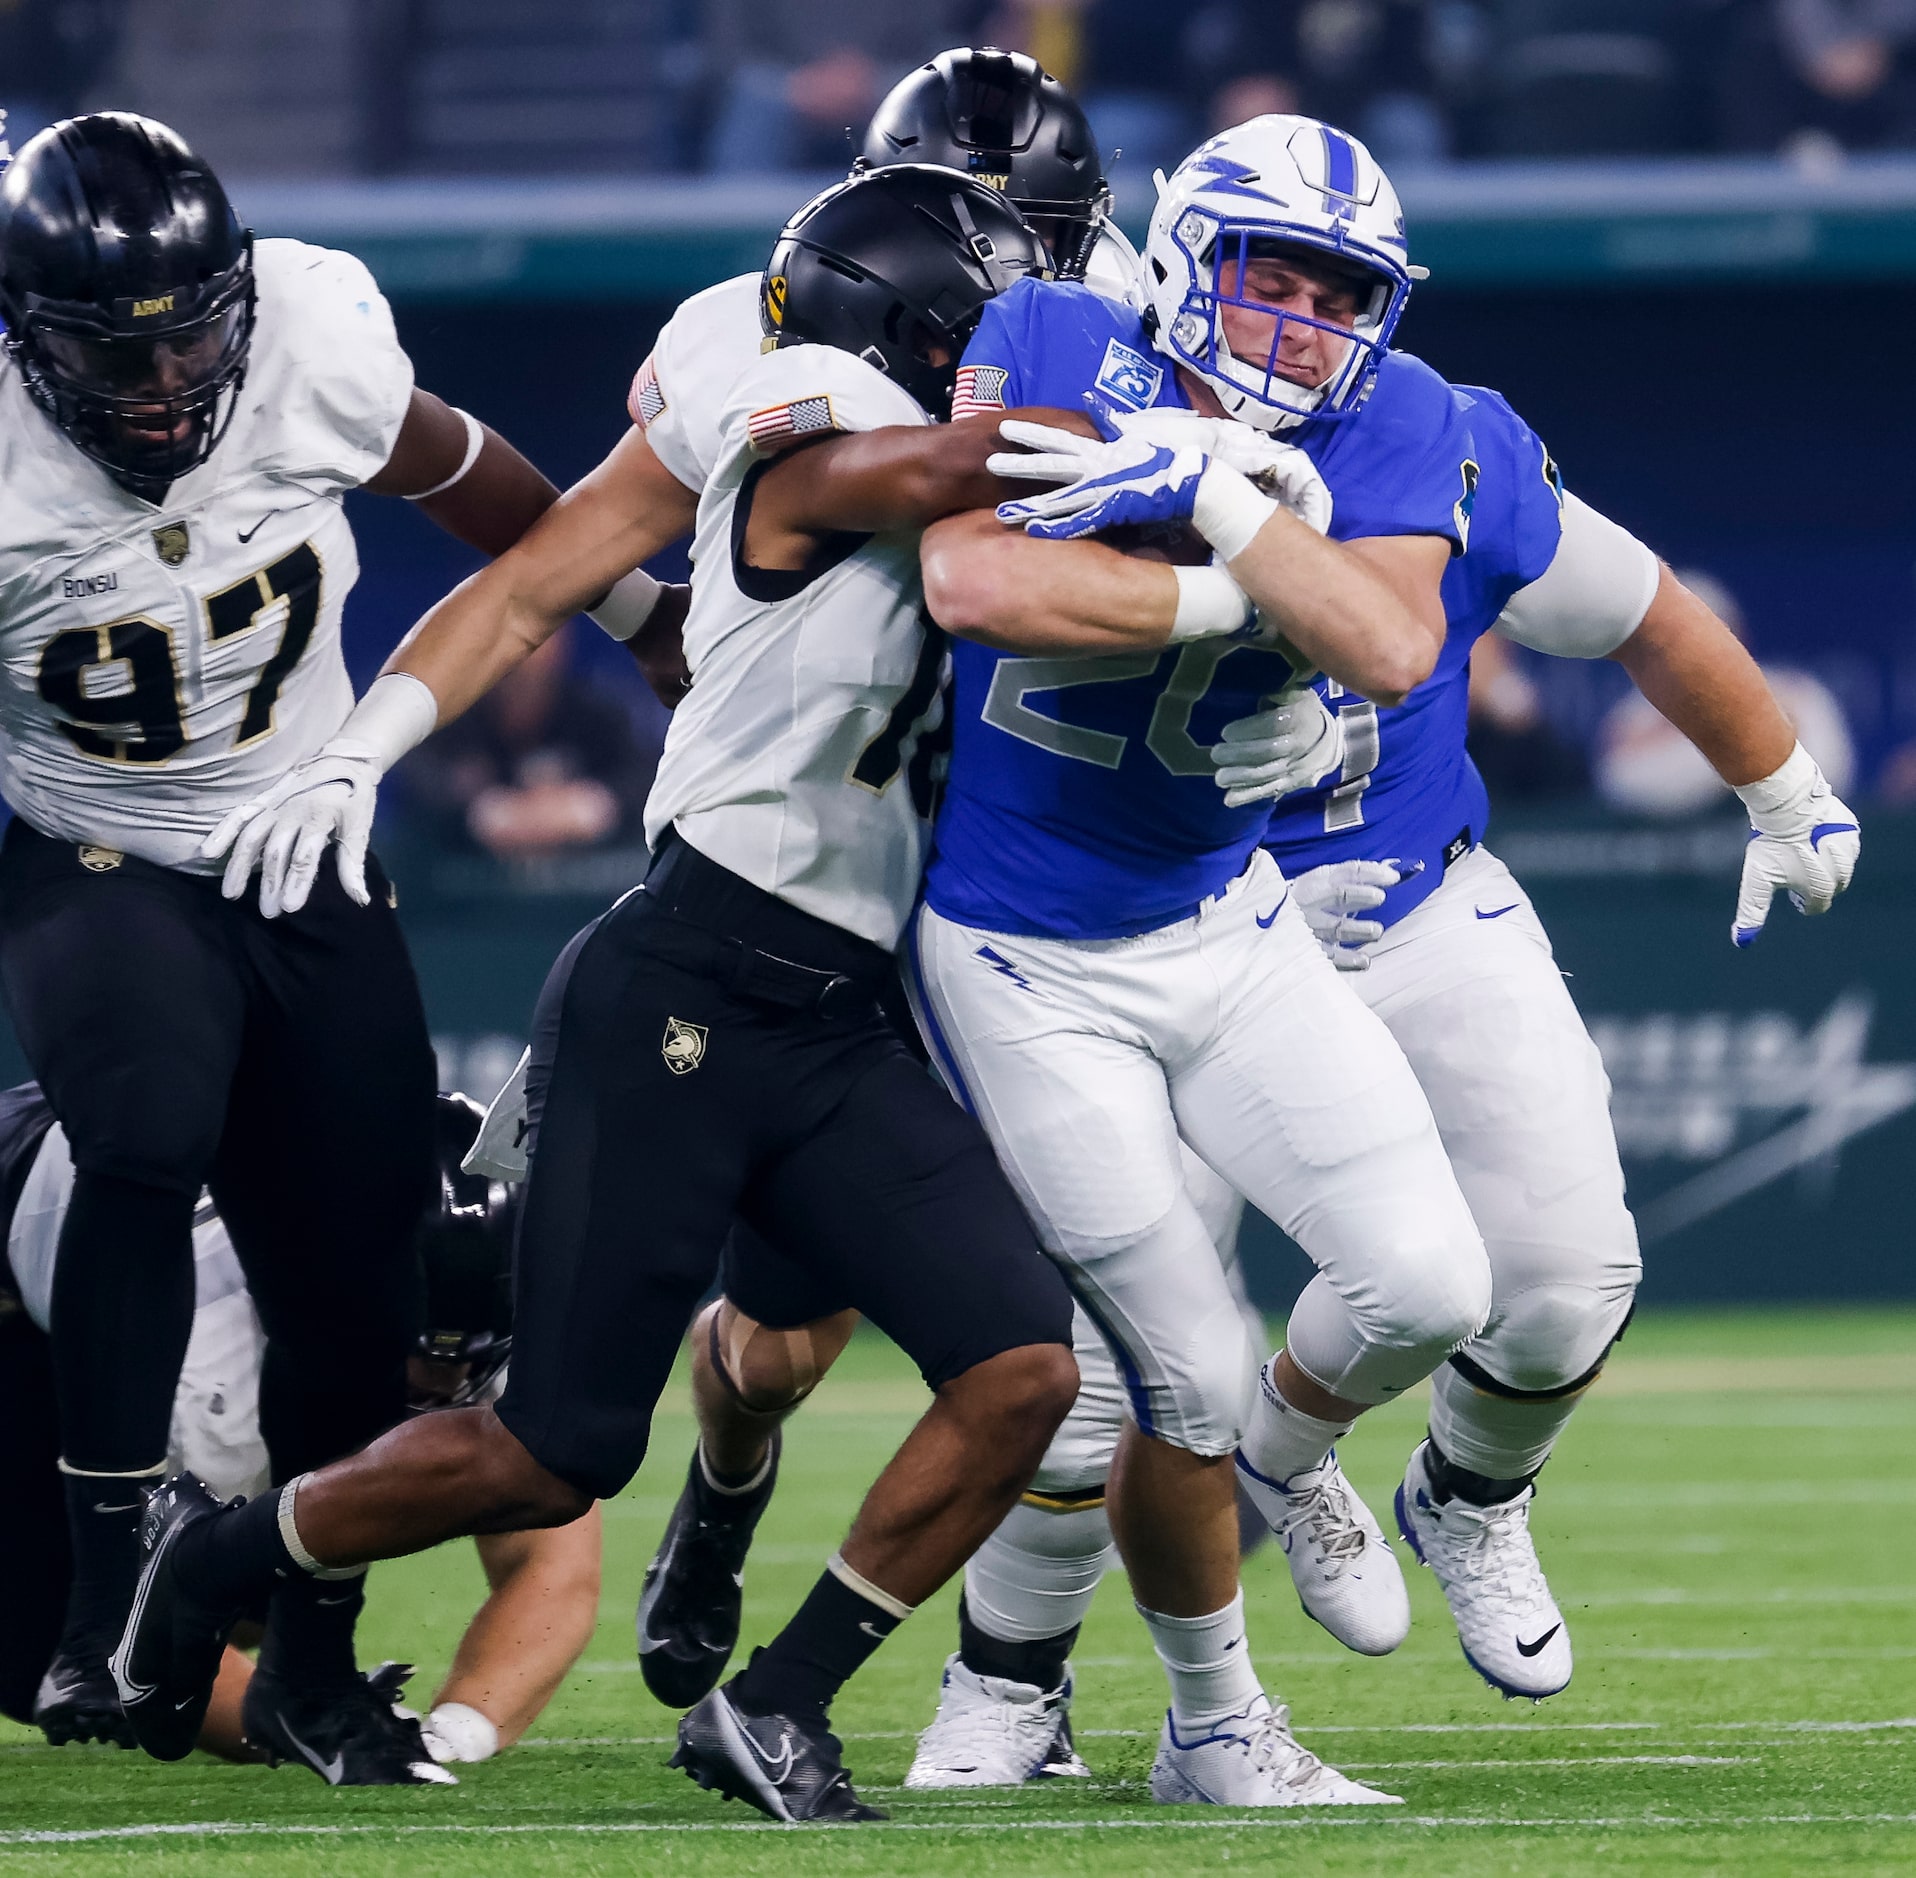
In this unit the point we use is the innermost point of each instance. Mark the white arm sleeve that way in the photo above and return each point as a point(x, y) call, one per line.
point(1592, 597)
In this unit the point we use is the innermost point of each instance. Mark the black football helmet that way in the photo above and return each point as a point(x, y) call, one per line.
point(126, 285)
point(1002, 118)
point(464, 1246)
point(895, 265)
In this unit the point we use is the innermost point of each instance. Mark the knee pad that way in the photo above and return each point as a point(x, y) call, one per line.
point(1372, 1348)
point(1035, 1577)
point(1550, 1339)
point(765, 1371)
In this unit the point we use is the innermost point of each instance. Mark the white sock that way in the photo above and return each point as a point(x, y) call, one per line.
point(1035, 1577)
point(1494, 1435)
point(1280, 1441)
point(1208, 1662)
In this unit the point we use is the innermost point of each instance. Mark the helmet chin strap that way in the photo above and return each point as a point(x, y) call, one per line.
point(1248, 409)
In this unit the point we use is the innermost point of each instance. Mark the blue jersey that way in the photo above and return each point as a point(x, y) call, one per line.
point(1081, 800)
point(1408, 790)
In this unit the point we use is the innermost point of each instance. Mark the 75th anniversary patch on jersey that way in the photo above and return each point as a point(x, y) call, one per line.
point(803, 417)
point(684, 1046)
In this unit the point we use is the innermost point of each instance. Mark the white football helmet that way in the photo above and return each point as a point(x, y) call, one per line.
point(1284, 180)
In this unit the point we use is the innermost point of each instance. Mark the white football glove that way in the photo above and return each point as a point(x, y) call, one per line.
point(285, 830)
point(1280, 470)
point(1330, 896)
point(1107, 483)
point(498, 1151)
point(1293, 745)
point(1805, 841)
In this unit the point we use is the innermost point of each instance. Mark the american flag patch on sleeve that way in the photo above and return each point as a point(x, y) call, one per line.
point(647, 400)
point(980, 388)
point(803, 417)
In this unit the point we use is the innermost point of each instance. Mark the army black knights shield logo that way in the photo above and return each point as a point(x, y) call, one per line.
point(173, 542)
point(684, 1046)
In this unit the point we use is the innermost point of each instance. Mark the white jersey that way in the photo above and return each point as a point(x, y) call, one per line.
point(809, 691)
point(215, 1427)
point(161, 664)
point(680, 395)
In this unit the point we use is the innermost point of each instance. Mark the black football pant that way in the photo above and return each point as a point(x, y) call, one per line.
point(185, 1041)
point(706, 1053)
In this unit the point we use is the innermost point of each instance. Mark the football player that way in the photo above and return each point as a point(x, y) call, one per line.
point(715, 1045)
point(544, 1585)
point(181, 413)
point(1382, 843)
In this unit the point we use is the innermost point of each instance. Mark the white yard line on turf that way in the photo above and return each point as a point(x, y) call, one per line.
point(1688, 1731)
point(1307, 1817)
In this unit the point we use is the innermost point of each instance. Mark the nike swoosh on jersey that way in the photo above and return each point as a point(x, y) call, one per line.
point(1266, 919)
point(1499, 912)
point(1531, 1649)
point(247, 534)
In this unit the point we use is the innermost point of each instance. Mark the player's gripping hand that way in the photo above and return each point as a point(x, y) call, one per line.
point(329, 799)
point(1804, 839)
point(1332, 900)
point(1280, 470)
point(1108, 483)
point(1293, 745)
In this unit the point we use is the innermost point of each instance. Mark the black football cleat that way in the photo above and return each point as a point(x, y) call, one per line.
point(350, 1734)
point(169, 1654)
point(787, 1767)
point(689, 1609)
point(77, 1701)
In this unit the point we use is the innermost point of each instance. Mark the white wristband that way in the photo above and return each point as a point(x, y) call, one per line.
point(627, 606)
point(1783, 787)
point(1210, 604)
point(475, 442)
point(398, 712)
point(457, 1732)
point(1229, 510)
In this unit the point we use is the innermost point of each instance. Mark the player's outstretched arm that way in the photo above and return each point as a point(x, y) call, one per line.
point(583, 553)
point(1805, 840)
point(538, 1618)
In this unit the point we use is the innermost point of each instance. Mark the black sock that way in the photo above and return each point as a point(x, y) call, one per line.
point(738, 1496)
point(239, 1556)
point(103, 1522)
point(309, 1630)
point(1448, 1481)
point(827, 1642)
point(1040, 1663)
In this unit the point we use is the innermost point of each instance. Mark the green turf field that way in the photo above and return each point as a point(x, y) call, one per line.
point(1729, 1527)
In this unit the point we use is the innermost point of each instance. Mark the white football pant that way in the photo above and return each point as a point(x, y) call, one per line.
point(1086, 1060)
point(1471, 991)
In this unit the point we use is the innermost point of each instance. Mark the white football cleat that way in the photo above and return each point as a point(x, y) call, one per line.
point(1251, 1759)
point(1346, 1575)
point(1484, 1559)
point(989, 1732)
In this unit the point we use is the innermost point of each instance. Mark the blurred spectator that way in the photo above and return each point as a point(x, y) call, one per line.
point(1801, 75)
point(793, 76)
point(1646, 766)
point(1518, 753)
point(51, 51)
point(1592, 77)
point(543, 763)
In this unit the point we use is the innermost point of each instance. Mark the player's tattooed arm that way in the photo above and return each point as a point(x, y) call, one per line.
point(486, 496)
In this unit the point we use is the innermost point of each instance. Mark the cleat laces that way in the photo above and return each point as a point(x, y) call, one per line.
point(1276, 1752)
point(1495, 1552)
point(1323, 1513)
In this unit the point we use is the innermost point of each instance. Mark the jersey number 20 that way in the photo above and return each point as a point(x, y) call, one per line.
point(117, 687)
